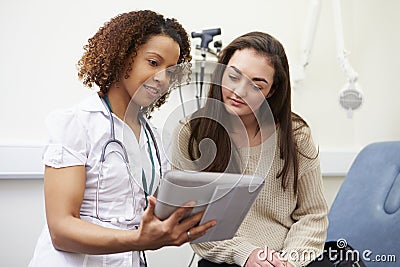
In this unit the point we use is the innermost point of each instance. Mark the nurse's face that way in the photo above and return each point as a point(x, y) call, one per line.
point(246, 82)
point(148, 78)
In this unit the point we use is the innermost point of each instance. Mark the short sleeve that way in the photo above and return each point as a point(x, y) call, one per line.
point(67, 140)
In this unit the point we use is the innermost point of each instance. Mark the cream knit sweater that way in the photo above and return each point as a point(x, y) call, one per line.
point(278, 219)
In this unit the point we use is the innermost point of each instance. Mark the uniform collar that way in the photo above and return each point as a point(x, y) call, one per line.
point(93, 103)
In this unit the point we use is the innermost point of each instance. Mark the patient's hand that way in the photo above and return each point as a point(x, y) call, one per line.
point(269, 258)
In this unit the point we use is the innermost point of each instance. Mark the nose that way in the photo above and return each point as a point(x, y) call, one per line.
point(240, 89)
point(161, 78)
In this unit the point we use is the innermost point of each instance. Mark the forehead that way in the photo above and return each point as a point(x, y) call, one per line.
point(252, 64)
point(163, 46)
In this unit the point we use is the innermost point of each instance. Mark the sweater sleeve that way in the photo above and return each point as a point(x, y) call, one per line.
point(306, 237)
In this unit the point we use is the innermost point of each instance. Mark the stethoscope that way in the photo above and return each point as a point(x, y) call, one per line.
point(124, 156)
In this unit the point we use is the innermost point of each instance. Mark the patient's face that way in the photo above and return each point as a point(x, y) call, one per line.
point(246, 82)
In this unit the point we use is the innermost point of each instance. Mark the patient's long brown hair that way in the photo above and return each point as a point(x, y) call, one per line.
point(279, 103)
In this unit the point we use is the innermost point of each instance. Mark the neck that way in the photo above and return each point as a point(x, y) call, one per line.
point(249, 121)
point(121, 105)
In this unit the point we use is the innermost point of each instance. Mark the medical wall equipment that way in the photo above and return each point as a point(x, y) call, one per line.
point(206, 37)
point(125, 158)
point(351, 96)
point(307, 42)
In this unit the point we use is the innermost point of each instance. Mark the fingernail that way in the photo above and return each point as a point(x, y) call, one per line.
point(191, 203)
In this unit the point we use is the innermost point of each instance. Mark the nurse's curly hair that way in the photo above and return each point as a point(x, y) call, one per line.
point(107, 51)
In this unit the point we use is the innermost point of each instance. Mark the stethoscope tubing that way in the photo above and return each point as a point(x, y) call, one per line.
point(124, 156)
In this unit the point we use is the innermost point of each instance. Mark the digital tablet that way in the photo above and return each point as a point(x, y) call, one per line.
point(226, 197)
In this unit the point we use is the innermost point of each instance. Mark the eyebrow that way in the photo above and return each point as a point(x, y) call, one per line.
point(255, 79)
point(154, 53)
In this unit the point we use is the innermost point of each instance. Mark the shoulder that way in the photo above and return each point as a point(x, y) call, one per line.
point(298, 123)
point(63, 119)
point(307, 151)
point(67, 139)
point(181, 138)
point(183, 130)
point(75, 121)
point(301, 130)
point(303, 137)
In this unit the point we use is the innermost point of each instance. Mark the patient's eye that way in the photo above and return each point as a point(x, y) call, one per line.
point(256, 87)
point(233, 77)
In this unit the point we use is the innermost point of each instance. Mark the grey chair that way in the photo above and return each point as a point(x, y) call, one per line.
point(366, 210)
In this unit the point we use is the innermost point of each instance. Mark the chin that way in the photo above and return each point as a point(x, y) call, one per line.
point(143, 101)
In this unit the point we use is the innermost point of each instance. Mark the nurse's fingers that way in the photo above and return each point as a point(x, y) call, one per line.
point(194, 233)
point(198, 231)
point(151, 203)
point(149, 212)
point(191, 221)
point(178, 214)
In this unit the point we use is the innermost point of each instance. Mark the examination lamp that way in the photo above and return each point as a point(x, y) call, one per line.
point(351, 97)
point(206, 37)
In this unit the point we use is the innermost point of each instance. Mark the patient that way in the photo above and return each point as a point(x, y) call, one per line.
point(255, 132)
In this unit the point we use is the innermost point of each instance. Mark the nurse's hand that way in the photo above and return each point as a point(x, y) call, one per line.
point(154, 234)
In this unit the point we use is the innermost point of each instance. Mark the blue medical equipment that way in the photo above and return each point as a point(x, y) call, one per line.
point(366, 210)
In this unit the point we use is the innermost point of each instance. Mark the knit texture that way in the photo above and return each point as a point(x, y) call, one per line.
point(279, 219)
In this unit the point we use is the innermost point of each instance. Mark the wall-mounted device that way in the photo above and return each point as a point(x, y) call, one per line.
point(351, 96)
point(206, 37)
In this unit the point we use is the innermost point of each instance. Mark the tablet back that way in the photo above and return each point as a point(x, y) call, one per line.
point(179, 187)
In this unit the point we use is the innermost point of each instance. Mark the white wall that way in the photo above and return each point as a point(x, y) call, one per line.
point(42, 40)
point(22, 206)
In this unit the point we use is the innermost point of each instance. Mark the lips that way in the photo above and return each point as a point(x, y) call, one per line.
point(236, 102)
point(153, 91)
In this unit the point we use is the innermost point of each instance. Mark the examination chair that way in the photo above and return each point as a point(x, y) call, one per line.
point(366, 211)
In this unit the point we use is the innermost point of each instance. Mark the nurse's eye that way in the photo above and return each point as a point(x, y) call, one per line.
point(153, 62)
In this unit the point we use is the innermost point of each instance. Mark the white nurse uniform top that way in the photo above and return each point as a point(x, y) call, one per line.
point(77, 136)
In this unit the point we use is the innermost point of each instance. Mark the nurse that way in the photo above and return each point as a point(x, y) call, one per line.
point(98, 212)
